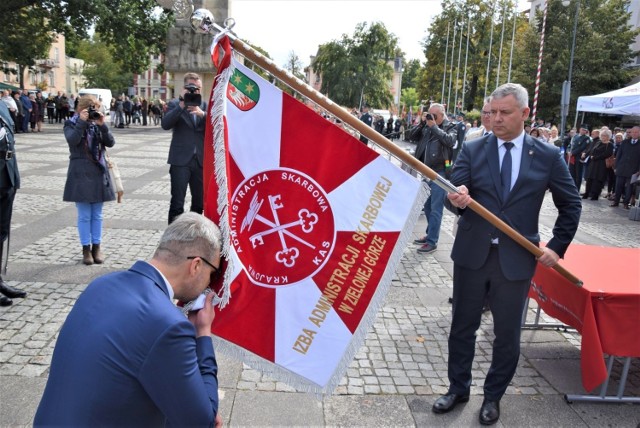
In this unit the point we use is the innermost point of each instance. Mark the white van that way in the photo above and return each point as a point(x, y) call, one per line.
point(104, 95)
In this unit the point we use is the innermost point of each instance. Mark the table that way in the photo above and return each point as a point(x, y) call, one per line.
point(605, 310)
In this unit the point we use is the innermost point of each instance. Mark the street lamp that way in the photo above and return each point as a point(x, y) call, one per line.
point(566, 85)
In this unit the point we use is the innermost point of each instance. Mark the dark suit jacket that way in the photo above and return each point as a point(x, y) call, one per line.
point(187, 135)
point(628, 158)
point(9, 174)
point(541, 168)
point(127, 356)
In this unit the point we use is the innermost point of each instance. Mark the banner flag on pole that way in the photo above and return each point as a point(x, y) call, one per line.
point(314, 224)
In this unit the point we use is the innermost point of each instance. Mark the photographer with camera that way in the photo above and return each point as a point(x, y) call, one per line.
point(88, 182)
point(436, 137)
point(185, 116)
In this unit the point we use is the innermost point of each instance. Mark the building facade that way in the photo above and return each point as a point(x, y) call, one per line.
point(49, 74)
point(75, 76)
point(153, 85)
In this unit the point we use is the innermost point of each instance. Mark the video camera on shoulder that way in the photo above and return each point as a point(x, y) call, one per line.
point(191, 98)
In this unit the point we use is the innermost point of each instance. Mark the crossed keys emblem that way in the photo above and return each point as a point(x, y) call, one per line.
point(288, 254)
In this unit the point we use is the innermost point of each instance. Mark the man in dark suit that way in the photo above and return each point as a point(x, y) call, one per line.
point(627, 164)
point(508, 173)
point(367, 119)
point(187, 148)
point(9, 183)
point(579, 144)
point(127, 356)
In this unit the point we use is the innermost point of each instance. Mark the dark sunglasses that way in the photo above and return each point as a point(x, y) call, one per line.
point(215, 274)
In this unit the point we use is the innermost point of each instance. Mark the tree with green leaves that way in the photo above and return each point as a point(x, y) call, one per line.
point(24, 42)
point(411, 73)
point(133, 28)
point(101, 70)
point(449, 34)
point(355, 69)
point(294, 65)
point(602, 53)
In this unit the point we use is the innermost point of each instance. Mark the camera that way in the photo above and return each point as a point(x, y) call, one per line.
point(430, 116)
point(190, 98)
point(93, 113)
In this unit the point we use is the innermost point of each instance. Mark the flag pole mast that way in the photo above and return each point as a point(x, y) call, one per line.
point(301, 87)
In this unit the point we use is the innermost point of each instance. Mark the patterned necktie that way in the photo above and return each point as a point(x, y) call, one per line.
point(505, 171)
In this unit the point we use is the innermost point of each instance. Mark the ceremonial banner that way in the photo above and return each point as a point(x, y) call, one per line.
point(314, 223)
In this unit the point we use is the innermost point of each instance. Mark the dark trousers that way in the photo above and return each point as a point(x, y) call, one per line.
point(611, 180)
point(181, 177)
point(576, 171)
point(506, 300)
point(593, 187)
point(623, 184)
point(7, 195)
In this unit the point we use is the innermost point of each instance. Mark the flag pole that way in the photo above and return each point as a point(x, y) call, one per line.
point(333, 108)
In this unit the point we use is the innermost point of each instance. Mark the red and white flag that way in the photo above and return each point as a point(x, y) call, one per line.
point(314, 224)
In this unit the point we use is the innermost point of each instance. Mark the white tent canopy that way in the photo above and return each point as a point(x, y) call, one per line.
point(625, 101)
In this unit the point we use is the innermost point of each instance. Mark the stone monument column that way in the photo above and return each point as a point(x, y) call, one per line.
point(188, 51)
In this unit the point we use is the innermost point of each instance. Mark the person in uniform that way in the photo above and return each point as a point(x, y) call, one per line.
point(9, 183)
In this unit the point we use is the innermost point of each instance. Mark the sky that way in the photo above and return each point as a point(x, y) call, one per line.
point(282, 26)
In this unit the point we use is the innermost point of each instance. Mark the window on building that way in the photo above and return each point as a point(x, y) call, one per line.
point(155, 93)
point(56, 54)
point(52, 79)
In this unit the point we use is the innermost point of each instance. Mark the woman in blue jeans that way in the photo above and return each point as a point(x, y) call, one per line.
point(88, 182)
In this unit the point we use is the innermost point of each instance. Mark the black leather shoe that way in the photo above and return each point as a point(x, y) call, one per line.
point(11, 292)
point(447, 402)
point(5, 301)
point(489, 412)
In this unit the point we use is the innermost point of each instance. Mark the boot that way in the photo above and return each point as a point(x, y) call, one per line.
point(5, 301)
point(11, 292)
point(87, 258)
point(98, 258)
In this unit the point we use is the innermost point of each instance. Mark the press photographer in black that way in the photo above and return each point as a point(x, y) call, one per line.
point(185, 116)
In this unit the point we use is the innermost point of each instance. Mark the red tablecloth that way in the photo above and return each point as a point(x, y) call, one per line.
point(606, 310)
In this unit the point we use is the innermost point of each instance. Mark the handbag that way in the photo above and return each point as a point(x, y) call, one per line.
point(610, 162)
point(114, 174)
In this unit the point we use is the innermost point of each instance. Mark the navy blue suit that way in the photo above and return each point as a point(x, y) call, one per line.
point(127, 356)
point(186, 154)
point(502, 273)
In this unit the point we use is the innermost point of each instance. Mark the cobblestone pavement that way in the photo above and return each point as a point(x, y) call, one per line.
point(404, 355)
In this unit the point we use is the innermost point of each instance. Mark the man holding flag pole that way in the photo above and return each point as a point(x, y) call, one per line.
point(507, 172)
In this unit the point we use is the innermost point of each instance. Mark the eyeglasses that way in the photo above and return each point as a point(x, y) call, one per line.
point(215, 274)
point(486, 113)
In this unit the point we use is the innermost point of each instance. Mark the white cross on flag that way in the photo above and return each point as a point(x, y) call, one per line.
point(314, 224)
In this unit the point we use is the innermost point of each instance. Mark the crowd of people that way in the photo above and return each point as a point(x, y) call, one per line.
point(125, 111)
point(489, 161)
point(30, 109)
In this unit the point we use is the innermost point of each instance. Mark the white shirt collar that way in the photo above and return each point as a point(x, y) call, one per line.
point(166, 282)
point(518, 142)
